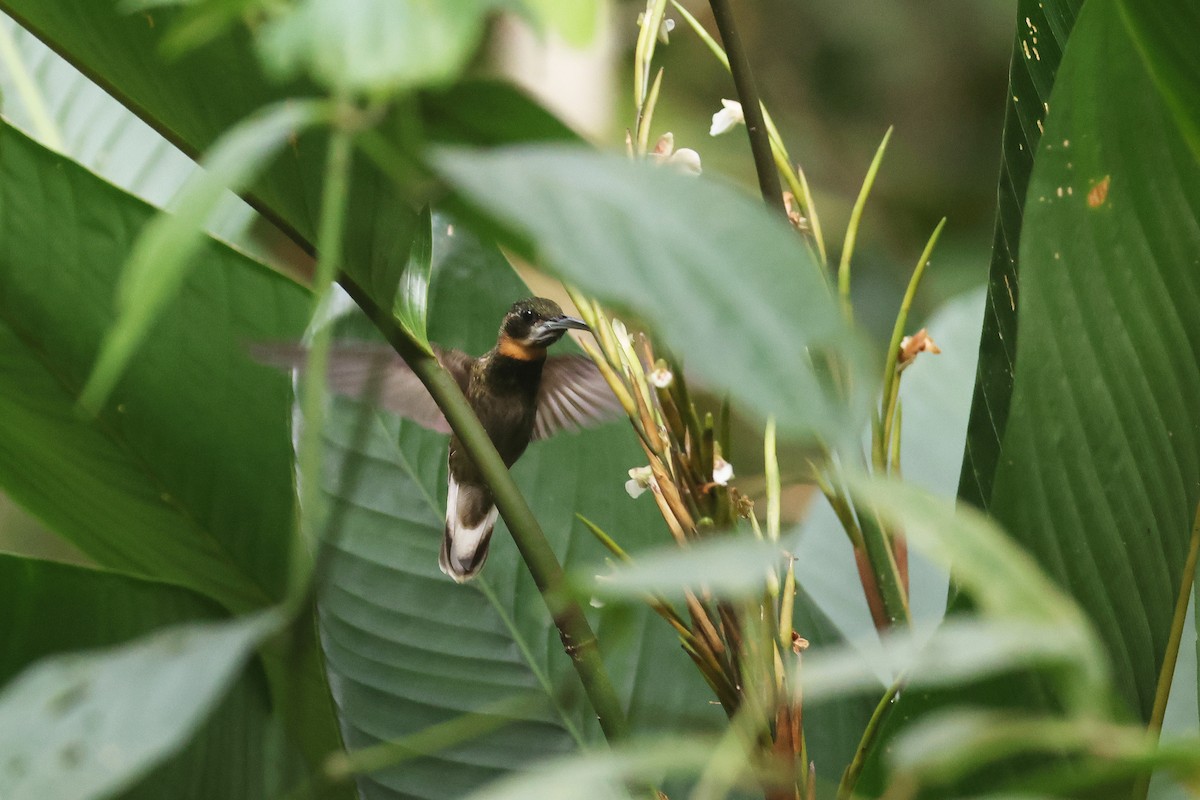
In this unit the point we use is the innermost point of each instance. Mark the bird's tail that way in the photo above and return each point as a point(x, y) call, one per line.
point(470, 518)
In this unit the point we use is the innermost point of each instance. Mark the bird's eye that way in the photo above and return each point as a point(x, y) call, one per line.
point(527, 314)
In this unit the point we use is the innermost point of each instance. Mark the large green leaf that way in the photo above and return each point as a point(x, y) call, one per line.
point(81, 121)
point(725, 285)
point(1100, 465)
point(177, 479)
point(1042, 30)
point(376, 46)
point(1165, 34)
point(54, 608)
point(183, 476)
point(87, 725)
point(1099, 472)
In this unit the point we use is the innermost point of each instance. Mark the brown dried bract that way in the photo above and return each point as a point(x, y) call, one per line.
point(911, 346)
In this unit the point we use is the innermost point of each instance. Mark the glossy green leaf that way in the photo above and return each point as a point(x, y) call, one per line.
point(1165, 34)
point(136, 489)
point(694, 258)
point(375, 46)
point(411, 306)
point(183, 477)
point(80, 120)
point(87, 725)
point(91, 609)
point(1100, 475)
point(1042, 29)
point(168, 246)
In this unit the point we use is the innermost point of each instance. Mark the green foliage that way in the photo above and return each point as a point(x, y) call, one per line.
point(1042, 29)
point(92, 724)
point(352, 126)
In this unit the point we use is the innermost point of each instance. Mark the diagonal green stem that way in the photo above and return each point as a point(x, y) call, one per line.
point(756, 127)
point(1163, 690)
point(573, 628)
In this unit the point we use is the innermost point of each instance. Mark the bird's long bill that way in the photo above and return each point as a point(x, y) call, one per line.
point(562, 323)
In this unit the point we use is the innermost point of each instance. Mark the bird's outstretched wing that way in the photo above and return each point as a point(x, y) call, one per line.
point(352, 365)
point(573, 395)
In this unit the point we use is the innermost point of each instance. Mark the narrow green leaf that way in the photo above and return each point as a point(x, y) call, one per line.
point(167, 247)
point(375, 46)
point(1042, 28)
point(957, 652)
point(412, 297)
point(734, 566)
point(86, 726)
point(607, 775)
point(693, 257)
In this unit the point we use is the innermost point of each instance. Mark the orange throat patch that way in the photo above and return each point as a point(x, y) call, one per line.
point(511, 348)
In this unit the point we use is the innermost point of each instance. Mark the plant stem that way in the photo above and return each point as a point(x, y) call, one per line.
point(576, 633)
point(1163, 690)
point(890, 377)
point(870, 733)
point(743, 80)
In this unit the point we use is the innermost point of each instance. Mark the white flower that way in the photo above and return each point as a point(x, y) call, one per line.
point(728, 118)
point(722, 471)
point(685, 160)
point(660, 376)
point(640, 479)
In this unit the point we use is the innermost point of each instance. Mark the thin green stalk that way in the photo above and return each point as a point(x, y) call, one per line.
point(643, 52)
point(890, 376)
point(334, 196)
point(870, 734)
point(576, 633)
point(852, 228)
point(1167, 673)
point(293, 640)
point(743, 81)
point(646, 116)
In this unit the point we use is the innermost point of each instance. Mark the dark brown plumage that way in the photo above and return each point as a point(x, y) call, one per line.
point(517, 391)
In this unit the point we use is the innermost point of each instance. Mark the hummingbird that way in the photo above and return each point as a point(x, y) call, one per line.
point(518, 392)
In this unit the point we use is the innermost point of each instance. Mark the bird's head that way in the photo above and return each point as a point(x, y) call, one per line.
point(532, 325)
